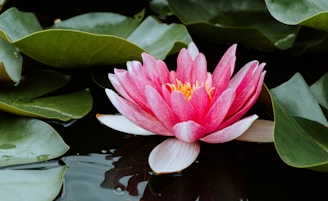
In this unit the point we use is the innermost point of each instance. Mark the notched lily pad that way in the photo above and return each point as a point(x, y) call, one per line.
point(29, 98)
point(74, 48)
point(25, 140)
point(301, 135)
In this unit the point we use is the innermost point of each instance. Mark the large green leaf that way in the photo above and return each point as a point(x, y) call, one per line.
point(29, 98)
point(31, 185)
point(25, 140)
point(302, 12)
point(300, 133)
point(11, 62)
point(76, 48)
point(247, 22)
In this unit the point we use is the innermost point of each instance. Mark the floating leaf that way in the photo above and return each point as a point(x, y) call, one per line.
point(302, 12)
point(28, 98)
point(10, 62)
point(102, 23)
point(320, 90)
point(298, 100)
point(300, 126)
point(25, 140)
point(74, 48)
point(247, 22)
point(31, 185)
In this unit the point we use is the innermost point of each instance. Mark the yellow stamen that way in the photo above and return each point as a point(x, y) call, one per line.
point(187, 89)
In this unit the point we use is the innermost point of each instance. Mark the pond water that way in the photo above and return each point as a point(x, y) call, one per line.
point(105, 164)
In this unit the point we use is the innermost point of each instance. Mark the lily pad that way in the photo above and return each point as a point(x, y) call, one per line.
point(300, 133)
point(25, 140)
point(313, 14)
point(320, 90)
point(29, 98)
point(75, 48)
point(102, 23)
point(246, 22)
point(31, 185)
point(11, 62)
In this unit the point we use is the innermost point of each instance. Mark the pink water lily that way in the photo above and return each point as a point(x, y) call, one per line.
point(187, 105)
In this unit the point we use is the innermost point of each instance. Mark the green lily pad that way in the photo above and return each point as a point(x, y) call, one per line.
point(313, 14)
point(300, 133)
point(102, 23)
point(25, 140)
point(320, 90)
point(29, 98)
point(247, 22)
point(75, 48)
point(11, 62)
point(31, 185)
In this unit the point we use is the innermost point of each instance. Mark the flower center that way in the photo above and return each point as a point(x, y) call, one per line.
point(187, 89)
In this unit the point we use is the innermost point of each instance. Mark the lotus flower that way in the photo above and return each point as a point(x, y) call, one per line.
point(188, 105)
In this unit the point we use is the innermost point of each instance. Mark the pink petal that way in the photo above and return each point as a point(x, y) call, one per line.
point(118, 87)
point(200, 103)
point(132, 87)
point(184, 64)
point(223, 71)
point(121, 123)
point(245, 83)
point(181, 107)
point(173, 155)
point(247, 105)
point(137, 115)
point(231, 132)
point(219, 109)
point(199, 69)
point(160, 108)
point(188, 131)
point(155, 70)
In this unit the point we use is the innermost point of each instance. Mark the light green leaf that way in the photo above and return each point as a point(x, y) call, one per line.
point(320, 90)
point(158, 40)
point(302, 12)
point(300, 133)
point(31, 185)
point(29, 98)
point(247, 22)
point(297, 99)
point(11, 62)
point(74, 48)
point(25, 140)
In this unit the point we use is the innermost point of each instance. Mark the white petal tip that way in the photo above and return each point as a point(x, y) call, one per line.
point(172, 156)
point(120, 123)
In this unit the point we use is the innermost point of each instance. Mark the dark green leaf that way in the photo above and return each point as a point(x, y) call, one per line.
point(29, 98)
point(300, 133)
point(247, 22)
point(74, 48)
